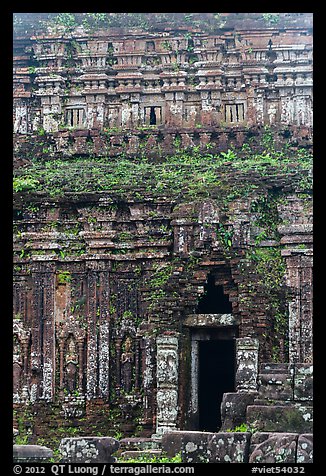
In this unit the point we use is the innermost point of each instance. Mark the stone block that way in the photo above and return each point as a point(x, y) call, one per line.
point(88, 449)
point(303, 382)
point(273, 448)
point(229, 447)
point(31, 454)
point(206, 447)
point(276, 382)
point(305, 448)
point(234, 407)
point(191, 444)
point(275, 387)
point(275, 368)
point(282, 418)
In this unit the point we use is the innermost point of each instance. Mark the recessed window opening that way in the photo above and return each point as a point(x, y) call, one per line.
point(153, 115)
point(75, 117)
point(214, 300)
point(150, 46)
point(234, 112)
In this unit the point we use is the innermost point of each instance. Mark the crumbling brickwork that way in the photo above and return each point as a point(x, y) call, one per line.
point(149, 162)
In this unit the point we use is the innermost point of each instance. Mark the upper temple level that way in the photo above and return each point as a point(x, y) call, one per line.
point(189, 74)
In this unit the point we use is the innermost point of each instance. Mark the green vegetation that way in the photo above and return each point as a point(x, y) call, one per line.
point(207, 22)
point(225, 236)
point(67, 20)
point(157, 281)
point(23, 184)
point(146, 21)
point(267, 279)
point(240, 428)
point(186, 175)
point(63, 277)
point(92, 21)
point(263, 176)
point(271, 18)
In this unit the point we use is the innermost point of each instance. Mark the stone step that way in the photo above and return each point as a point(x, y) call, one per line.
point(236, 447)
point(281, 447)
point(139, 454)
point(138, 443)
point(275, 386)
point(273, 368)
point(267, 402)
point(295, 417)
point(233, 408)
point(285, 382)
point(207, 447)
point(31, 454)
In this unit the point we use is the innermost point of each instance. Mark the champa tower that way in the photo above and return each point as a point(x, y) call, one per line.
point(163, 222)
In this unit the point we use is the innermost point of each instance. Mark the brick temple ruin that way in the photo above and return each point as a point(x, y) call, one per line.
point(145, 308)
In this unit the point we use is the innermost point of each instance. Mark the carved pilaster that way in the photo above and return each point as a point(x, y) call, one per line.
point(167, 383)
point(20, 361)
point(247, 364)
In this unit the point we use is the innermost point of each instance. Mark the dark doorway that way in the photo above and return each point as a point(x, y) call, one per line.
point(214, 300)
point(216, 376)
point(152, 116)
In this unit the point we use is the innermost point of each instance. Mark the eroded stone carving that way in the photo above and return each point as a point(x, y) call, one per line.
point(247, 364)
point(21, 345)
point(167, 383)
point(127, 364)
point(305, 448)
point(273, 448)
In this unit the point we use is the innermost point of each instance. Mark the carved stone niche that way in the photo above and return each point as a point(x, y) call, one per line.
point(127, 352)
point(21, 345)
point(71, 340)
point(273, 448)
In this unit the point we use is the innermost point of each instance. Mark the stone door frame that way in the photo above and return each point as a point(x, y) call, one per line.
point(205, 327)
point(202, 327)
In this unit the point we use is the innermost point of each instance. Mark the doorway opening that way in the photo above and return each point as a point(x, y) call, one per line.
point(216, 377)
point(153, 115)
point(214, 300)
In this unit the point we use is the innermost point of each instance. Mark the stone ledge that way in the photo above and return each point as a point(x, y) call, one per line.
point(233, 408)
point(238, 447)
point(31, 454)
point(273, 448)
point(88, 449)
point(138, 454)
point(139, 443)
point(210, 320)
point(205, 447)
point(274, 418)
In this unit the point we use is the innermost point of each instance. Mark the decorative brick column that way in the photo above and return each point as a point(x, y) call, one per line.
point(297, 241)
point(167, 384)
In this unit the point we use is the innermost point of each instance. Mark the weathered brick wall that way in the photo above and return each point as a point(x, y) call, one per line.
point(119, 224)
point(69, 77)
